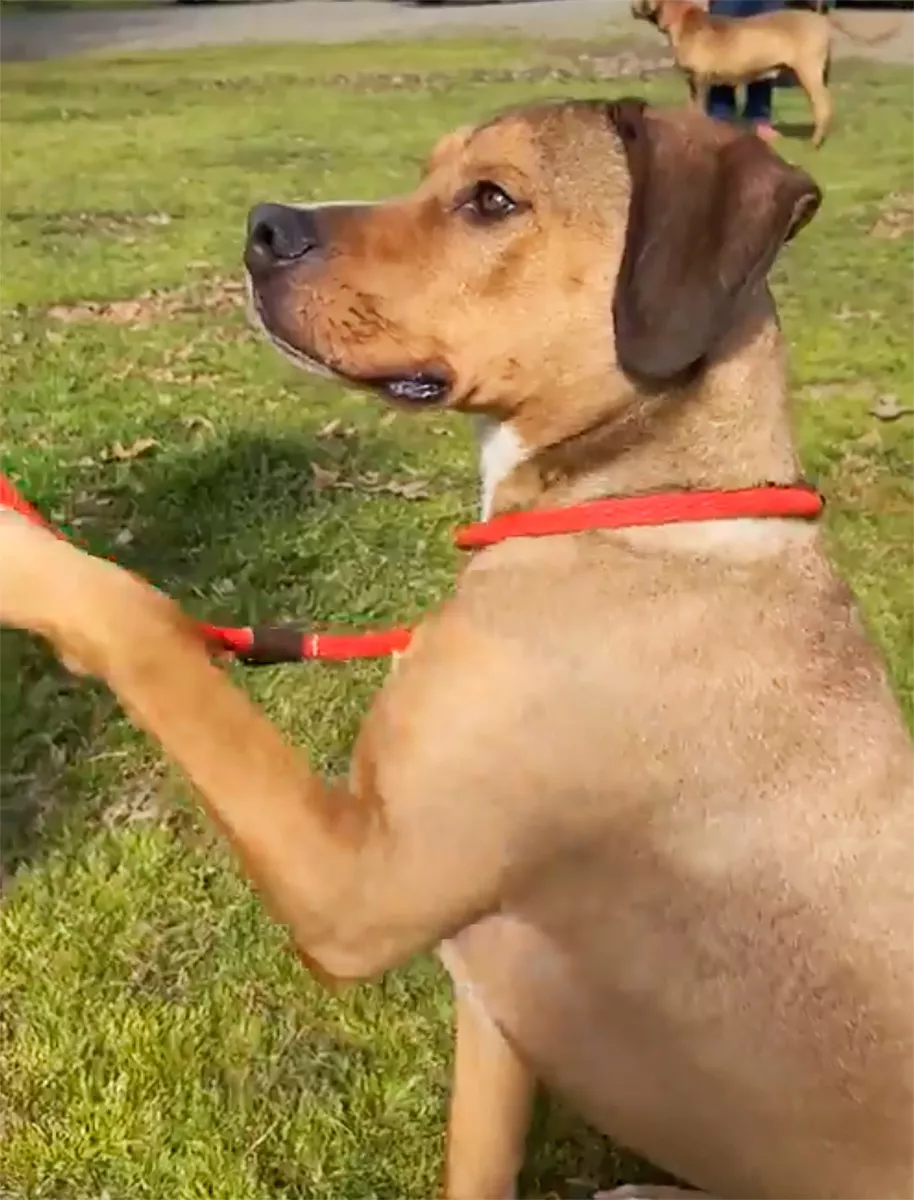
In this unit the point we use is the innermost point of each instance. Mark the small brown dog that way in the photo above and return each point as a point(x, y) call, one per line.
point(648, 789)
point(710, 49)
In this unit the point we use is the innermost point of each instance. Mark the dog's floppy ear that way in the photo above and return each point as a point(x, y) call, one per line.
point(706, 220)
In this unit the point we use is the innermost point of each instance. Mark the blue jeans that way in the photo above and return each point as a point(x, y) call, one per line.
point(722, 97)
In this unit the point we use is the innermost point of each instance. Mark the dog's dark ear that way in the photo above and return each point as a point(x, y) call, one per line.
point(706, 220)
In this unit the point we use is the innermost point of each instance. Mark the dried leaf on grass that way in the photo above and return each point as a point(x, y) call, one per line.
point(140, 448)
point(196, 422)
point(336, 429)
point(413, 489)
point(323, 479)
point(887, 408)
point(896, 217)
point(370, 483)
point(845, 313)
point(136, 800)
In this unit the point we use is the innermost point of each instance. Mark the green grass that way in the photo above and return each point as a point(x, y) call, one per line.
point(158, 1038)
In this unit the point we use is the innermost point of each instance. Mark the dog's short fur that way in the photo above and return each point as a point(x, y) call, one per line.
point(737, 50)
point(650, 787)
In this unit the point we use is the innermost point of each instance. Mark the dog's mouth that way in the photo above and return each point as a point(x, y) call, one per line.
point(424, 386)
point(416, 389)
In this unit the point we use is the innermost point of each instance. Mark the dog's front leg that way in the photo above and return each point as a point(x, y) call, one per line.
point(698, 91)
point(363, 876)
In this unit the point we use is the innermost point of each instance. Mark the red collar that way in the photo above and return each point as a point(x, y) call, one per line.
point(655, 508)
point(271, 644)
point(285, 643)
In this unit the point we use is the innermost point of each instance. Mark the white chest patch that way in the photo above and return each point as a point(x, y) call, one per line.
point(500, 451)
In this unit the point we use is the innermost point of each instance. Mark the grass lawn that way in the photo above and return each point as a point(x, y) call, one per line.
point(157, 1038)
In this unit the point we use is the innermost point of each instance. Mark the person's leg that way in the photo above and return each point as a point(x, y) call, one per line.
point(757, 109)
point(758, 101)
point(722, 102)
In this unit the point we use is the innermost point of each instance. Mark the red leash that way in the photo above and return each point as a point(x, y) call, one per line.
point(269, 644)
point(259, 645)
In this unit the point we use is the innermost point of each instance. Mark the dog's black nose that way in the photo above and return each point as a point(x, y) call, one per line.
point(279, 234)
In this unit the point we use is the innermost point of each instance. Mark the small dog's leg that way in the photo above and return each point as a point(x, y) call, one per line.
point(491, 1100)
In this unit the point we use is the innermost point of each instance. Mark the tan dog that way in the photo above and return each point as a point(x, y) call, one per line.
point(649, 788)
point(737, 50)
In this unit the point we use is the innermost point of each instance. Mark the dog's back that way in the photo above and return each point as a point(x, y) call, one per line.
point(732, 50)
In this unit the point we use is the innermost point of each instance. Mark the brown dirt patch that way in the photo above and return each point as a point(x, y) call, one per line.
point(107, 223)
point(627, 64)
point(215, 296)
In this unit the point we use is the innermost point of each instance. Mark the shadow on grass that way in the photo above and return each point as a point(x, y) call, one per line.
point(198, 517)
point(566, 1158)
point(795, 130)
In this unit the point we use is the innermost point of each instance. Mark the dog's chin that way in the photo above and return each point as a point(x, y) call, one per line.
point(419, 387)
point(422, 387)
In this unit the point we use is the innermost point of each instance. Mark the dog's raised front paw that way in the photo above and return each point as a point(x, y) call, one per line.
point(49, 587)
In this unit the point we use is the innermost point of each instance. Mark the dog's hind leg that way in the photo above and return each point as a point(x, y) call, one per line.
point(491, 1102)
point(812, 81)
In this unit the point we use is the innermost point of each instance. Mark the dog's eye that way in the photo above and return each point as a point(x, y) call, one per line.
point(486, 201)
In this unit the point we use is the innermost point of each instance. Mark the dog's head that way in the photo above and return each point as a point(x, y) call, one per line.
point(564, 249)
point(646, 10)
point(665, 15)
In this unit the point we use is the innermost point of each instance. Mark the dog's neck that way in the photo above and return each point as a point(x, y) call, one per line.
point(501, 451)
point(728, 429)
